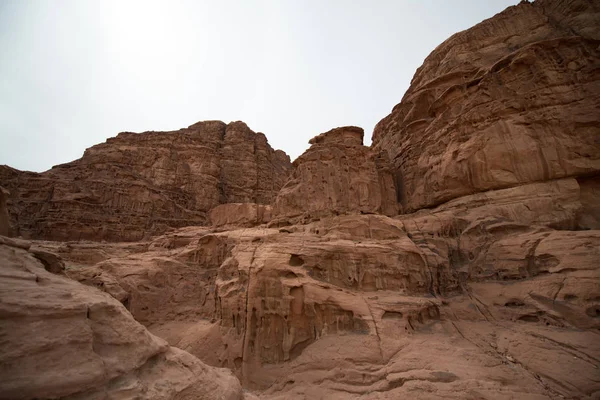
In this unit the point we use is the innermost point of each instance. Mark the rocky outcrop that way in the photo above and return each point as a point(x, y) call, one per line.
point(482, 291)
point(336, 175)
point(485, 285)
point(137, 185)
point(240, 214)
point(4, 219)
point(512, 100)
point(61, 339)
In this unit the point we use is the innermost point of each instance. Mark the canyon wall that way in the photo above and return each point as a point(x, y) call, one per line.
point(513, 100)
point(457, 257)
point(64, 340)
point(137, 185)
point(337, 175)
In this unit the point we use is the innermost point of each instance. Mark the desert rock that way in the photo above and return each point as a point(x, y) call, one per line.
point(65, 340)
point(458, 257)
point(240, 214)
point(513, 100)
point(337, 175)
point(137, 185)
point(387, 305)
point(4, 219)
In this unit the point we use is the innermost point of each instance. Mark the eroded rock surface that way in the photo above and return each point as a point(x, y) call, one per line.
point(4, 219)
point(513, 100)
point(138, 185)
point(486, 285)
point(481, 298)
point(61, 339)
point(240, 214)
point(337, 175)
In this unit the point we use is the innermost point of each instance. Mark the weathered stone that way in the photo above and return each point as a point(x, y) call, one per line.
point(240, 214)
point(51, 261)
point(489, 289)
point(336, 175)
point(137, 185)
point(512, 100)
point(65, 340)
point(4, 219)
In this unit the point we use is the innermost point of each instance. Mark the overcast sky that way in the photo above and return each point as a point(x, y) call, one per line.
point(75, 72)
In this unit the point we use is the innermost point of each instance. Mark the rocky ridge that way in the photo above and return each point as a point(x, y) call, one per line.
point(458, 257)
point(138, 185)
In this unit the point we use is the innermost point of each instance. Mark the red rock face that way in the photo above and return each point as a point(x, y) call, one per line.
point(513, 100)
point(337, 175)
point(83, 344)
point(489, 289)
point(136, 185)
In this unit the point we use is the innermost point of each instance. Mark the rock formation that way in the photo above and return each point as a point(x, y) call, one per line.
point(458, 257)
point(240, 214)
point(4, 219)
point(137, 185)
point(482, 291)
point(513, 100)
point(337, 175)
point(64, 340)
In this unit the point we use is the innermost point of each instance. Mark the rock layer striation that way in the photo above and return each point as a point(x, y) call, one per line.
point(513, 100)
point(457, 258)
point(137, 185)
point(337, 175)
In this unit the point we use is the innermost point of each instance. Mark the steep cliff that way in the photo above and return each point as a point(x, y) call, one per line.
point(513, 100)
point(337, 175)
point(458, 257)
point(137, 185)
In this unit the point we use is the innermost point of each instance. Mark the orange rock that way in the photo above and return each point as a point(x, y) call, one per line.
point(65, 340)
point(487, 285)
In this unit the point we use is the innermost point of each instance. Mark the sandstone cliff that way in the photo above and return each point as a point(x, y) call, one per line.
point(458, 257)
point(137, 185)
point(5, 228)
point(513, 100)
point(337, 175)
point(489, 291)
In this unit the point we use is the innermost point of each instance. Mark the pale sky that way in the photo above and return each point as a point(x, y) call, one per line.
point(75, 72)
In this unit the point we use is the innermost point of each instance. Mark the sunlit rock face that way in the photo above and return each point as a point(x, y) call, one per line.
point(458, 257)
point(137, 185)
point(512, 100)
